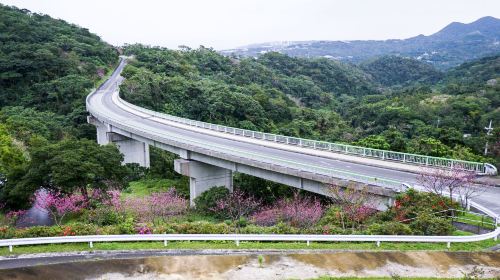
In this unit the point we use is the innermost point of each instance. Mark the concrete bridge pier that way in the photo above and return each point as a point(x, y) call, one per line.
point(203, 176)
point(133, 151)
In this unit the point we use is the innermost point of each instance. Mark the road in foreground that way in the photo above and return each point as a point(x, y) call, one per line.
point(259, 265)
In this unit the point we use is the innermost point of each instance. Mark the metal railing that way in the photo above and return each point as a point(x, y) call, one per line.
point(91, 239)
point(477, 167)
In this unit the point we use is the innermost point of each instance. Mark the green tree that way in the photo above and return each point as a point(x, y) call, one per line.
point(375, 142)
point(75, 165)
point(429, 146)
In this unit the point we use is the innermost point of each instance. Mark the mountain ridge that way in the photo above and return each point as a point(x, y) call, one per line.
point(450, 46)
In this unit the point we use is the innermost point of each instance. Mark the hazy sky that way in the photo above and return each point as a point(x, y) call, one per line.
point(223, 24)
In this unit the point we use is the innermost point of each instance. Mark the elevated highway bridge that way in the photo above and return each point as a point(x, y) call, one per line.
point(210, 154)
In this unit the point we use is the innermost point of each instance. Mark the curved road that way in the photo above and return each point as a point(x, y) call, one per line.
point(103, 99)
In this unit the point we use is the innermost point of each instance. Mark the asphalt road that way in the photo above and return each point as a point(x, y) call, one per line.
point(490, 198)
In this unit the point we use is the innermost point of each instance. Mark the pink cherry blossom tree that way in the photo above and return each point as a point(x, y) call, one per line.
point(449, 182)
point(237, 205)
point(355, 204)
point(298, 211)
point(58, 205)
point(154, 208)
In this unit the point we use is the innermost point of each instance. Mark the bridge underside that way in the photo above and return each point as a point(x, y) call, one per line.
point(207, 169)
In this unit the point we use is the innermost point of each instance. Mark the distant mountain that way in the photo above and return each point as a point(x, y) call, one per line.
point(451, 46)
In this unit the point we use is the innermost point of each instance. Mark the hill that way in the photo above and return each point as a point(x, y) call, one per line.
point(397, 70)
point(47, 63)
point(449, 47)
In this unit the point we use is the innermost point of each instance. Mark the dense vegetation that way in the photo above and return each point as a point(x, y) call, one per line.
point(47, 67)
point(401, 71)
point(389, 103)
point(428, 112)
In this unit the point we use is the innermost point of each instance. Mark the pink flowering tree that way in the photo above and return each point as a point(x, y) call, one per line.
point(454, 181)
point(164, 205)
point(355, 204)
point(298, 211)
point(154, 208)
point(267, 217)
point(59, 205)
point(301, 211)
point(12, 217)
point(237, 205)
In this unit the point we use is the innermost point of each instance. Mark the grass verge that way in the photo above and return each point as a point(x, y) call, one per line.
point(200, 245)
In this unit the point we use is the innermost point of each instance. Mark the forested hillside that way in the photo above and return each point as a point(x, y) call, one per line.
point(401, 71)
point(429, 113)
point(47, 68)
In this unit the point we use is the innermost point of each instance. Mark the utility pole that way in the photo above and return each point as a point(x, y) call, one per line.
point(489, 129)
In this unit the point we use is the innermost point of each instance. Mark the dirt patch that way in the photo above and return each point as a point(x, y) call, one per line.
point(270, 266)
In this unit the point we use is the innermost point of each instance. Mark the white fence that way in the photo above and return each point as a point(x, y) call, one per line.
point(91, 239)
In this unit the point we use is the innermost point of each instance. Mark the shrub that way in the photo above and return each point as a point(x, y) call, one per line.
point(428, 224)
point(83, 228)
point(12, 217)
point(389, 228)
point(7, 232)
point(201, 228)
point(207, 201)
point(38, 231)
point(410, 204)
point(127, 227)
point(103, 216)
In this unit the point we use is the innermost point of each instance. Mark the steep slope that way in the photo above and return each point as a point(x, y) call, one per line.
point(46, 63)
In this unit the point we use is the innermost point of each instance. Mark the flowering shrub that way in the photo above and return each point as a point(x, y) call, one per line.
point(68, 231)
point(144, 230)
point(266, 217)
point(152, 208)
point(13, 216)
point(58, 205)
point(300, 211)
point(237, 205)
point(409, 204)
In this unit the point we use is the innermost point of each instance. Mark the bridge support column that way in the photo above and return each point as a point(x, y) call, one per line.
point(133, 151)
point(203, 176)
point(102, 133)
